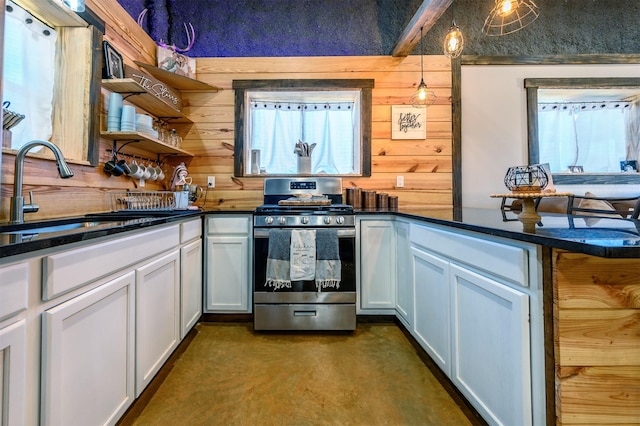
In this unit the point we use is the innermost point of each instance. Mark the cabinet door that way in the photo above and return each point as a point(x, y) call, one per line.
point(432, 319)
point(13, 371)
point(87, 356)
point(157, 316)
point(227, 274)
point(377, 264)
point(404, 281)
point(191, 285)
point(490, 362)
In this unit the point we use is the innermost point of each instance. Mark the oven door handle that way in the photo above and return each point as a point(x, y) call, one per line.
point(342, 232)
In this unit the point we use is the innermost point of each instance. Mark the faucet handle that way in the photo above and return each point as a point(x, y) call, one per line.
point(31, 207)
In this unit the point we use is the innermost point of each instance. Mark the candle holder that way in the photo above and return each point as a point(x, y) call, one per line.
point(526, 179)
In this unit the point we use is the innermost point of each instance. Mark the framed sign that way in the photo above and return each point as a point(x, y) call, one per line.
point(113, 65)
point(408, 122)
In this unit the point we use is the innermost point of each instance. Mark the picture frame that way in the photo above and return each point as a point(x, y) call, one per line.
point(408, 122)
point(113, 64)
point(629, 166)
point(177, 63)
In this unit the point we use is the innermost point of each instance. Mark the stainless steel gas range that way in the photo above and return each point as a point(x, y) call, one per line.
point(304, 256)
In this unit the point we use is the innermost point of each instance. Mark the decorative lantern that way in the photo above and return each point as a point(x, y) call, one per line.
point(526, 178)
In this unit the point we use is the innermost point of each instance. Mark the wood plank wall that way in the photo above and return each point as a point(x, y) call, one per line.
point(596, 339)
point(425, 164)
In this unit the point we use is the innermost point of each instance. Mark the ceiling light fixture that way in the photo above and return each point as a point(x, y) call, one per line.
point(423, 96)
point(75, 5)
point(509, 16)
point(453, 41)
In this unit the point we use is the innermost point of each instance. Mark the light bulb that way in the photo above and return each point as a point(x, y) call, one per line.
point(507, 6)
point(453, 42)
point(422, 94)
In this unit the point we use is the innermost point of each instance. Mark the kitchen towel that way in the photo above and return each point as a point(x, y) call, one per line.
point(278, 264)
point(328, 265)
point(303, 254)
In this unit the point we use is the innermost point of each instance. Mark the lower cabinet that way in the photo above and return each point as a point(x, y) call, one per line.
point(490, 351)
point(404, 282)
point(432, 321)
point(13, 371)
point(377, 290)
point(88, 356)
point(157, 316)
point(228, 254)
point(190, 285)
point(473, 325)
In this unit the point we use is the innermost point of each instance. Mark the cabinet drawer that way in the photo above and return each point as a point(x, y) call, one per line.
point(501, 260)
point(14, 281)
point(190, 230)
point(68, 270)
point(228, 225)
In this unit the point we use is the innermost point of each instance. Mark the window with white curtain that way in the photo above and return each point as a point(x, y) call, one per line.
point(30, 48)
point(592, 135)
point(332, 116)
point(325, 121)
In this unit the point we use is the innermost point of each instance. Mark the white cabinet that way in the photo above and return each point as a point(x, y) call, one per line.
point(13, 371)
point(377, 290)
point(473, 300)
point(88, 356)
point(490, 358)
point(190, 285)
point(228, 254)
point(157, 315)
point(190, 274)
point(432, 324)
point(404, 281)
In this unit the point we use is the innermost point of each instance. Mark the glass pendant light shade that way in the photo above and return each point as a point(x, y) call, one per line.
point(75, 5)
point(423, 95)
point(509, 16)
point(453, 42)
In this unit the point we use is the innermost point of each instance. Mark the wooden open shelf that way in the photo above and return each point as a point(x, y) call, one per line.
point(176, 81)
point(144, 99)
point(145, 142)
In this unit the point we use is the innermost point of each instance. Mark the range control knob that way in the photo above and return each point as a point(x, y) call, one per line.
point(305, 220)
point(340, 220)
point(282, 220)
point(327, 219)
point(268, 220)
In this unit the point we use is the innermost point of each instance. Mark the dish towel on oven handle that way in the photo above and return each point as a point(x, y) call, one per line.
point(303, 254)
point(328, 265)
point(278, 265)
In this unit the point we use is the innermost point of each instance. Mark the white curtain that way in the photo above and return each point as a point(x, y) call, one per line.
point(574, 135)
point(29, 73)
point(633, 132)
point(328, 125)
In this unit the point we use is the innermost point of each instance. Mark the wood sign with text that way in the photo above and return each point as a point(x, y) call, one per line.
point(155, 87)
point(408, 122)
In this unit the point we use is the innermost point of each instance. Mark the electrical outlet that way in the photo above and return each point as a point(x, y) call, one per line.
point(141, 183)
point(211, 182)
point(399, 181)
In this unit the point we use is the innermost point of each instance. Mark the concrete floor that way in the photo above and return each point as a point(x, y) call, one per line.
point(230, 375)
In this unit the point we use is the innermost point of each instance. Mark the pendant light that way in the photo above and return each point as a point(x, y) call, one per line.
point(424, 96)
point(509, 16)
point(75, 5)
point(453, 41)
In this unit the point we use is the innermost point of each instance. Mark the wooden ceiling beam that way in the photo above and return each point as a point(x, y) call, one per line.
point(426, 16)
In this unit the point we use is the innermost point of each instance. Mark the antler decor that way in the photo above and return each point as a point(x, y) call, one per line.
point(191, 35)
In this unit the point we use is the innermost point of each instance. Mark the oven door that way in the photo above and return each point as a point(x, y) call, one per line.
point(306, 291)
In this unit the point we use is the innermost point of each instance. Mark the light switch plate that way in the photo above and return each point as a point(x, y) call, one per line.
point(399, 181)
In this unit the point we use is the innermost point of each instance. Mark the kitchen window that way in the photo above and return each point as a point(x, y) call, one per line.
point(30, 48)
point(332, 116)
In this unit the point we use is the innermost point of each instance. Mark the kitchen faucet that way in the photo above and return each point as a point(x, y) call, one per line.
point(18, 207)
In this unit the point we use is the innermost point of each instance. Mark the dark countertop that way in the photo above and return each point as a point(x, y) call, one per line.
point(603, 237)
